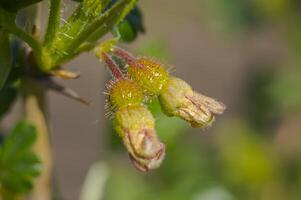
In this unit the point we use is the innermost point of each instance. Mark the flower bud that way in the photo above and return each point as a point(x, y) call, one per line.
point(178, 99)
point(149, 75)
point(125, 92)
point(136, 126)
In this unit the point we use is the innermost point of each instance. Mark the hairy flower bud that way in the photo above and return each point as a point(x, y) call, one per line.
point(136, 126)
point(125, 92)
point(178, 99)
point(149, 74)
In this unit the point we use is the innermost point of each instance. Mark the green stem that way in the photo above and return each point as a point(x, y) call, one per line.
point(53, 21)
point(7, 23)
point(34, 104)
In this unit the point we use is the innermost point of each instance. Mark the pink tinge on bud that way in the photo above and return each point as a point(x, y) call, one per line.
point(151, 164)
point(136, 126)
point(145, 149)
point(214, 106)
point(116, 72)
point(129, 58)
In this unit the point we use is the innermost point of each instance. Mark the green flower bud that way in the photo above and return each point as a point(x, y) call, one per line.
point(149, 75)
point(136, 126)
point(178, 99)
point(125, 92)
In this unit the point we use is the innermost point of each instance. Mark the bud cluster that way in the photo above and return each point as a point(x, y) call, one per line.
point(146, 79)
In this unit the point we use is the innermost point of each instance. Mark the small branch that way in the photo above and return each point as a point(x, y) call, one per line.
point(53, 21)
point(7, 23)
point(48, 83)
point(32, 42)
point(117, 74)
point(129, 58)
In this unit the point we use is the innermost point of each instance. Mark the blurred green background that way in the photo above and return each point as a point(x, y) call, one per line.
point(244, 53)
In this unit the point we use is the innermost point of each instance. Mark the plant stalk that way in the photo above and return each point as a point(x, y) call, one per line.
point(35, 112)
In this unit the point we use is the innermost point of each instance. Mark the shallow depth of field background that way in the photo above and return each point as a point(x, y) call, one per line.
point(244, 53)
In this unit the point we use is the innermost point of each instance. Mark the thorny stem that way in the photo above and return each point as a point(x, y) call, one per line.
point(34, 106)
point(35, 112)
point(117, 74)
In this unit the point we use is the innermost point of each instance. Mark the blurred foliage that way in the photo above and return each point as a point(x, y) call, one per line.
point(233, 15)
point(249, 161)
point(262, 108)
point(156, 48)
point(285, 90)
point(169, 129)
point(18, 164)
point(239, 164)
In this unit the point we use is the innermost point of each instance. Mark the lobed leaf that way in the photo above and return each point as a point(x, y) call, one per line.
point(18, 164)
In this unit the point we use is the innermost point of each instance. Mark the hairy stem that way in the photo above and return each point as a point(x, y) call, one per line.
point(116, 73)
point(92, 31)
point(53, 21)
point(35, 112)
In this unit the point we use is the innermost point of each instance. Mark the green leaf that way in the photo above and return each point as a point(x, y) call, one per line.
point(233, 16)
point(129, 28)
point(126, 32)
point(5, 57)
point(18, 164)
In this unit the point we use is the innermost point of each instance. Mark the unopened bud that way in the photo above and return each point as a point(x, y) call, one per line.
point(125, 92)
point(136, 126)
point(178, 99)
point(149, 74)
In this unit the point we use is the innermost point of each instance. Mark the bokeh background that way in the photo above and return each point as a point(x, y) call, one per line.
point(244, 53)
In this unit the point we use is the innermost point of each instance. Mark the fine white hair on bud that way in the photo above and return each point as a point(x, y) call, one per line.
point(179, 99)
